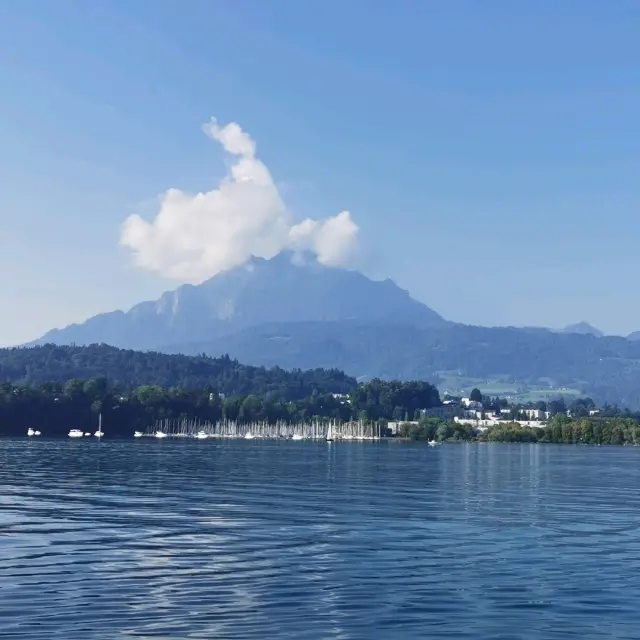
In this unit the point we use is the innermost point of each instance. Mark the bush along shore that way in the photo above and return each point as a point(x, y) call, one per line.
point(560, 429)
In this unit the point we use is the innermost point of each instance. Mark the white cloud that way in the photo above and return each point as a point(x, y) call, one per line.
point(194, 237)
point(332, 239)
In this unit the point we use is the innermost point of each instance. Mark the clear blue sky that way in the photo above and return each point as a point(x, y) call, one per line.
point(489, 151)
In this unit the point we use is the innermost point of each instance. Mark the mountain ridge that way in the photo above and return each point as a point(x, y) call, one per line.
point(259, 292)
point(583, 328)
point(301, 316)
point(607, 368)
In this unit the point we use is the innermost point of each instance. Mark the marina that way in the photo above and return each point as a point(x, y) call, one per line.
point(229, 429)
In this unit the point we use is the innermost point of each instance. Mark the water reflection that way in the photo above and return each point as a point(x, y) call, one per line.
point(307, 540)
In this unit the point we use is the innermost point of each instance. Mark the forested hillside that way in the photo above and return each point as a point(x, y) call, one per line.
point(126, 370)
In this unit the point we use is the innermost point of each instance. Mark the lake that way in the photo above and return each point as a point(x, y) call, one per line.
point(297, 540)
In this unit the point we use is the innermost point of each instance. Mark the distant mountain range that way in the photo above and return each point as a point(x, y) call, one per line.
point(583, 328)
point(298, 314)
point(586, 329)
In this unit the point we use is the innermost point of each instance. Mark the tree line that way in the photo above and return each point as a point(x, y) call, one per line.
point(56, 407)
point(125, 370)
point(620, 429)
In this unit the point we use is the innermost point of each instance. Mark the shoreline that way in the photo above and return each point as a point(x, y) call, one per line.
point(337, 441)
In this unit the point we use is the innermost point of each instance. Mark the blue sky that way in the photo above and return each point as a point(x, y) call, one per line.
point(489, 152)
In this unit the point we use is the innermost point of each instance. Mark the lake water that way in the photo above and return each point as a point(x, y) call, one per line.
point(246, 539)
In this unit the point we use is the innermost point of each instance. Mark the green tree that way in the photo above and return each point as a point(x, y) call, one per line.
point(250, 409)
point(149, 394)
point(96, 388)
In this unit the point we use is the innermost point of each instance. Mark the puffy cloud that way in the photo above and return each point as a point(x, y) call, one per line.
point(332, 240)
point(194, 237)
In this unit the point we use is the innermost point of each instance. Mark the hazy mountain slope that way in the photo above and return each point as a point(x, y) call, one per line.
point(583, 328)
point(260, 292)
point(272, 312)
point(608, 368)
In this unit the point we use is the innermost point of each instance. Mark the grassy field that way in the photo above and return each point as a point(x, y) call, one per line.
point(536, 395)
point(504, 388)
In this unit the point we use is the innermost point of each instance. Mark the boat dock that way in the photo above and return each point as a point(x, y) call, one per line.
point(230, 429)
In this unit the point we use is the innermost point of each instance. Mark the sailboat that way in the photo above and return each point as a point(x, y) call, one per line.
point(330, 432)
point(99, 433)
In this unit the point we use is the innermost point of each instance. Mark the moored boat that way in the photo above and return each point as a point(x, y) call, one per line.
point(99, 433)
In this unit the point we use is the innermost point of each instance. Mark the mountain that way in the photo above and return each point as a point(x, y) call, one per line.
point(583, 328)
point(608, 368)
point(260, 292)
point(275, 312)
point(634, 336)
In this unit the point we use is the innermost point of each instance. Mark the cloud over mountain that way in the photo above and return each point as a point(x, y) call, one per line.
point(194, 237)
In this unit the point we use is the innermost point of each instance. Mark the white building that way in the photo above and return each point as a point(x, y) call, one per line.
point(394, 426)
point(535, 414)
point(484, 424)
point(444, 412)
point(471, 404)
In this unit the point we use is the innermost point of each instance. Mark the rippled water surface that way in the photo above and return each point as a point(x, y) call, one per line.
point(159, 539)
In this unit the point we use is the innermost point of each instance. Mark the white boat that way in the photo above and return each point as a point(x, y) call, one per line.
point(30, 432)
point(137, 434)
point(76, 433)
point(248, 436)
point(296, 436)
point(330, 432)
point(161, 434)
point(87, 435)
point(202, 435)
point(37, 433)
point(99, 433)
point(433, 443)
